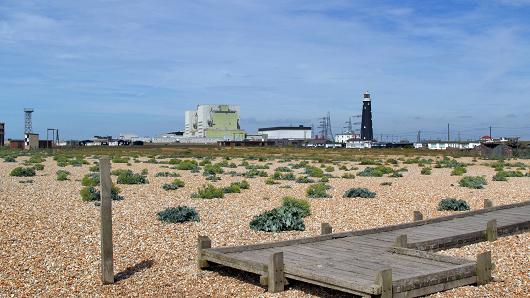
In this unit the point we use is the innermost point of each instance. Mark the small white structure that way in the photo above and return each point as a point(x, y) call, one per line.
point(345, 137)
point(359, 145)
point(286, 133)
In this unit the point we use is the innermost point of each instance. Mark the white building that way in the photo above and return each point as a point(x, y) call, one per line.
point(444, 145)
point(359, 145)
point(286, 132)
point(345, 137)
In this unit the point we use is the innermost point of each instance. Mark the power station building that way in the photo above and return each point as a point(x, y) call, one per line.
point(286, 133)
point(2, 134)
point(213, 122)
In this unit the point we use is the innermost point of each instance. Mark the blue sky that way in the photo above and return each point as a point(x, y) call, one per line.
point(110, 67)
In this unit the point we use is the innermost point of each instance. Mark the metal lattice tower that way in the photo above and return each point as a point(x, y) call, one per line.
point(325, 128)
point(28, 126)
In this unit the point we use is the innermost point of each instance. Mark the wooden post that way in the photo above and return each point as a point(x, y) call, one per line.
point(488, 203)
point(276, 277)
point(491, 230)
point(325, 228)
point(484, 267)
point(401, 241)
point(203, 243)
point(384, 279)
point(418, 216)
point(107, 261)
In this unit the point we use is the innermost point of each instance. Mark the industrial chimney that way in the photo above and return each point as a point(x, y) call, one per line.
point(367, 133)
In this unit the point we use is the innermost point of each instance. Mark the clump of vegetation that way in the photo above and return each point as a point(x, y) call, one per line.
point(329, 169)
point(119, 159)
point(131, 178)
point(476, 182)
point(119, 172)
point(175, 184)
point(378, 171)
point(94, 168)
point(303, 205)
point(447, 162)
point(178, 214)
point(253, 173)
point(426, 171)
point(369, 161)
point(212, 169)
point(304, 179)
point(23, 172)
point(348, 176)
point(187, 165)
point(288, 217)
point(38, 167)
point(359, 193)
point(36, 159)
point(209, 192)
point(386, 183)
point(90, 179)
point(318, 190)
point(283, 169)
point(396, 174)
point(458, 171)
point(90, 193)
point(271, 181)
point(167, 174)
point(392, 161)
point(62, 175)
point(236, 187)
point(451, 204)
point(312, 171)
point(503, 175)
point(283, 176)
point(10, 159)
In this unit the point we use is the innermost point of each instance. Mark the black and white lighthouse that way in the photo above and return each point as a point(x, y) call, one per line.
point(367, 133)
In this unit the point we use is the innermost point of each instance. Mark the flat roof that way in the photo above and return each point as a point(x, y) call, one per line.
point(301, 127)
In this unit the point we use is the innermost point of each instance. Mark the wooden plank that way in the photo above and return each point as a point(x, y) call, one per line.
point(107, 257)
point(424, 291)
point(430, 256)
point(234, 262)
point(459, 272)
point(276, 275)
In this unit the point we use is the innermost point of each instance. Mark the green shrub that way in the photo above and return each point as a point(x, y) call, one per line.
point(36, 159)
point(314, 172)
point(10, 159)
point(187, 165)
point(178, 214)
point(451, 204)
point(283, 176)
point(359, 193)
point(90, 193)
point(23, 172)
point(283, 169)
point(271, 181)
point(378, 171)
point(279, 219)
point(119, 172)
point(38, 167)
point(304, 179)
point(303, 205)
point(458, 171)
point(426, 171)
point(329, 169)
point(119, 159)
point(392, 161)
point(212, 169)
point(500, 176)
point(318, 190)
point(131, 178)
point(144, 172)
point(62, 175)
point(175, 184)
point(91, 179)
point(447, 162)
point(94, 168)
point(476, 182)
point(167, 174)
point(348, 176)
point(209, 192)
point(396, 174)
point(368, 161)
point(324, 179)
point(252, 173)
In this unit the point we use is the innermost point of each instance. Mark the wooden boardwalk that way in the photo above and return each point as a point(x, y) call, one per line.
point(391, 261)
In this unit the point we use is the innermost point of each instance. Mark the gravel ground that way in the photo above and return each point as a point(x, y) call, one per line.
point(49, 244)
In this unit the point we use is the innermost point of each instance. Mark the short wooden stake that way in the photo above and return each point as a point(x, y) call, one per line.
point(276, 277)
point(384, 279)
point(488, 203)
point(203, 242)
point(401, 241)
point(418, 216)
point(484, 267)
point(107, 258)
point(491, 230)
point(325, 228)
